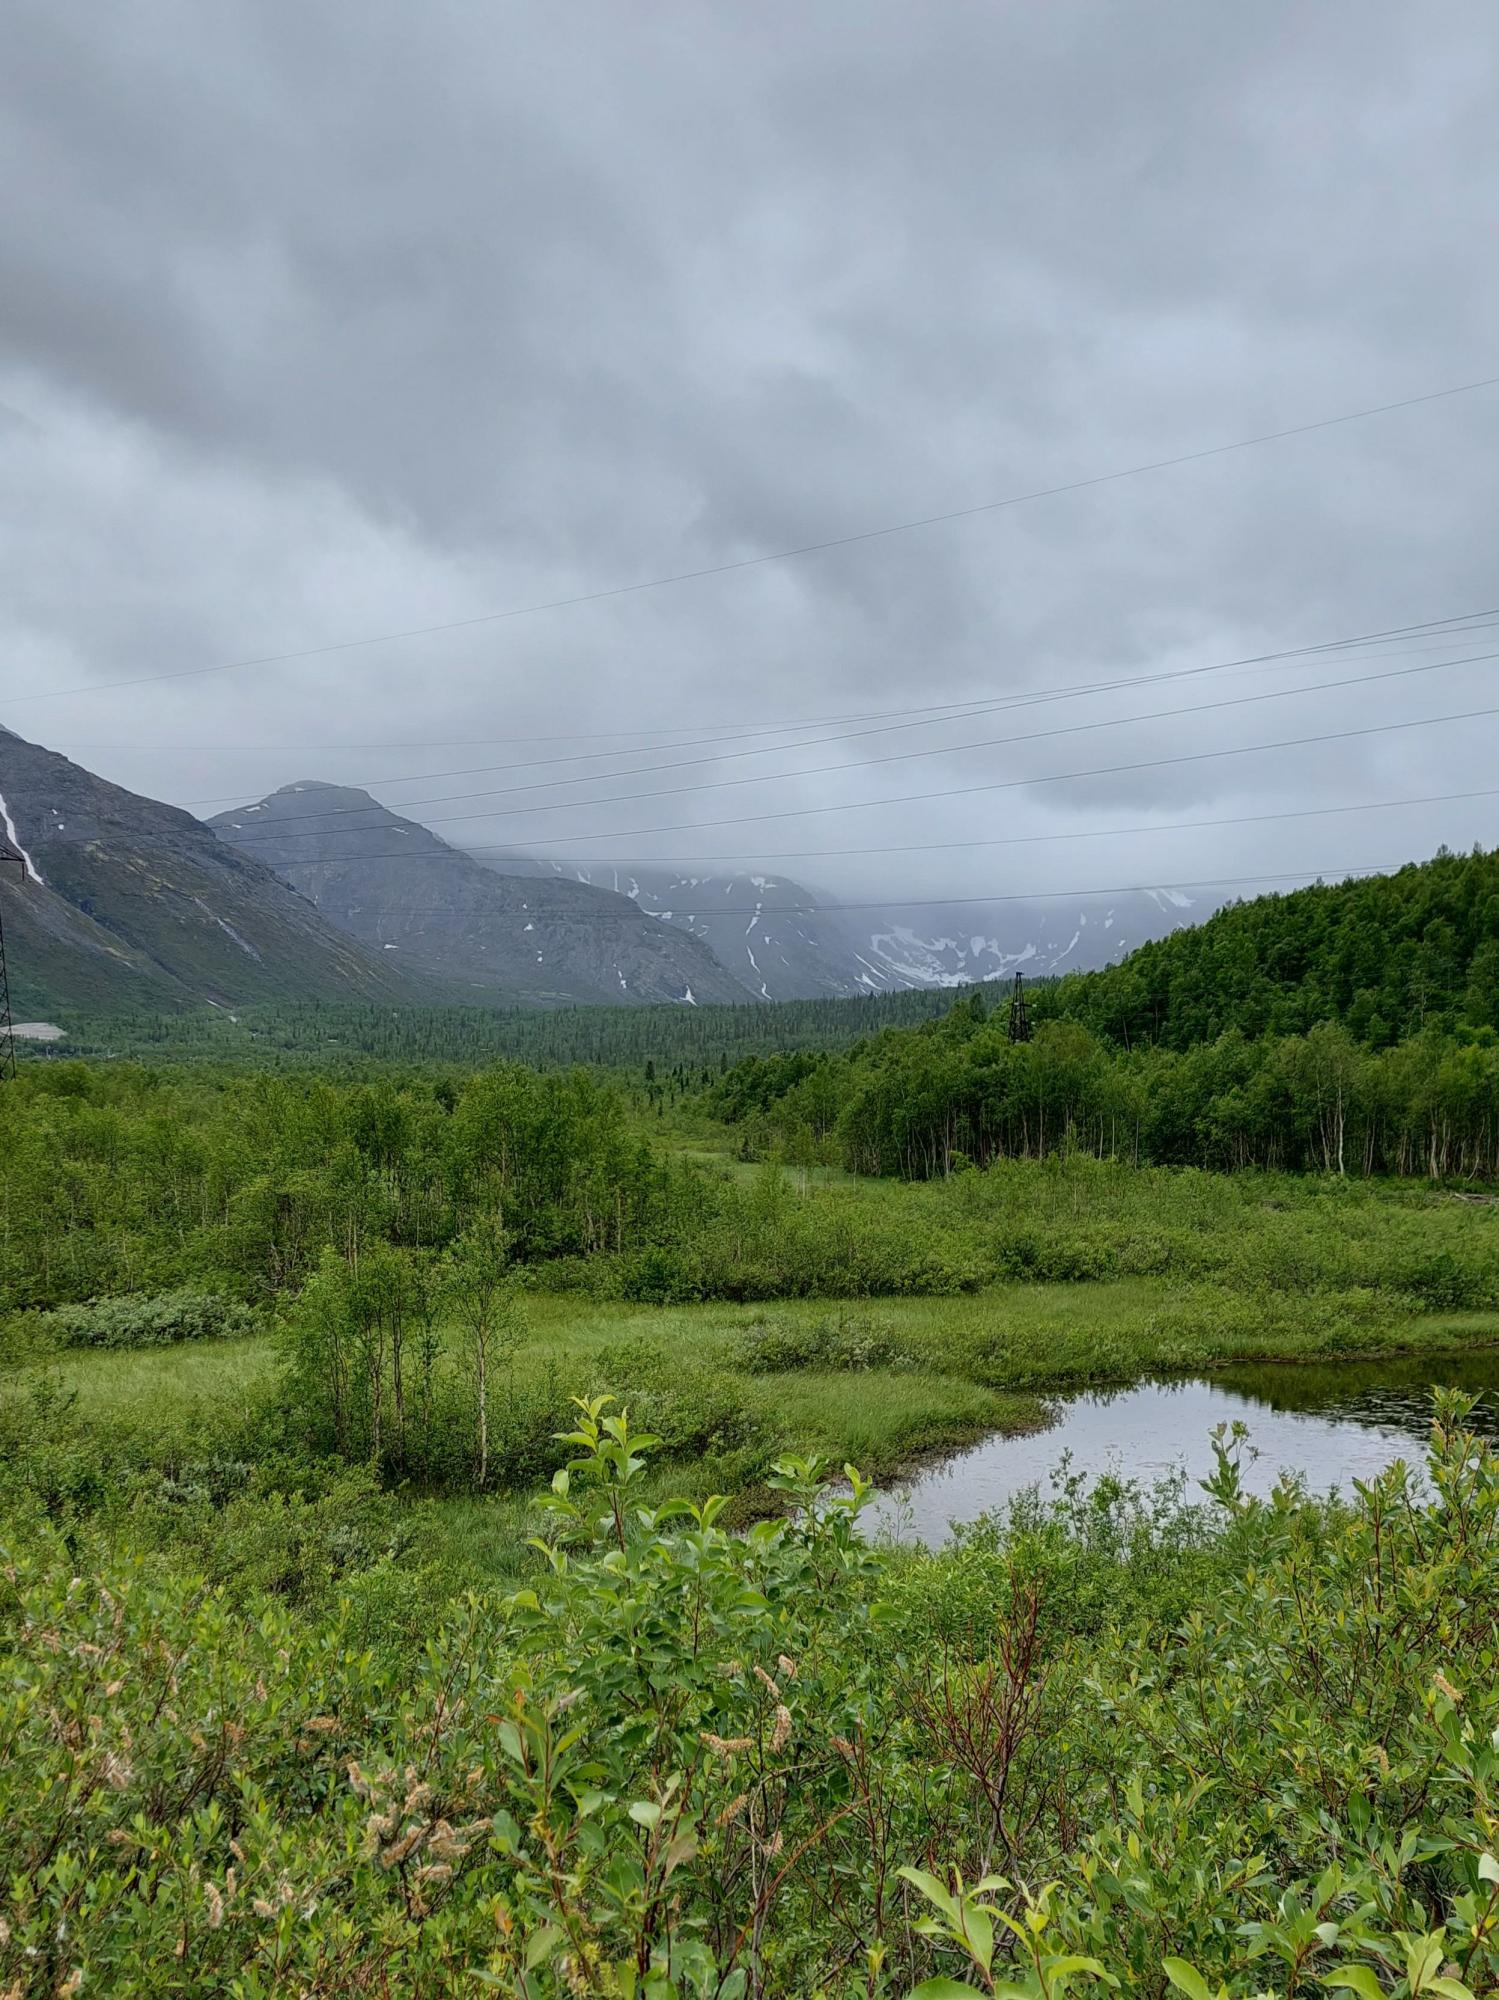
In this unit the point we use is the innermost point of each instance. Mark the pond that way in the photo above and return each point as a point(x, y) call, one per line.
point(1331, 1423)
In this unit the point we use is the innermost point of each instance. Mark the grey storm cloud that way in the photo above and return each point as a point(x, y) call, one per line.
point(320, 322)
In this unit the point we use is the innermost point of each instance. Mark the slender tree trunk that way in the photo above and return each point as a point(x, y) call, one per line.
point(481, 1359)
point(398, 1381)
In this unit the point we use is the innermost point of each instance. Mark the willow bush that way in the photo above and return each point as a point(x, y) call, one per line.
point(685, 1762)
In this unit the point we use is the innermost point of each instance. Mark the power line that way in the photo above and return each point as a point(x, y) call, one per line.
point(822, 770)
point(1014, 784)
point(919, 798)
point(1038, 839)
point(1025, 698)
point(1474, 620)
point(529, 915)
point(946, 711)
point(779, 555)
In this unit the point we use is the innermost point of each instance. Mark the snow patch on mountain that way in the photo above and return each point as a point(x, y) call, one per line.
point(786, 940)
point(228, 929)
point(33, 874)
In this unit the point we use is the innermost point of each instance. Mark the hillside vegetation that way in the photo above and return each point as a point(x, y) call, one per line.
point(1388, 956)
point(1350, 1029)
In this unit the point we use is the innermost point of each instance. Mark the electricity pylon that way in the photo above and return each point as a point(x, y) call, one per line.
point(1020, 1015)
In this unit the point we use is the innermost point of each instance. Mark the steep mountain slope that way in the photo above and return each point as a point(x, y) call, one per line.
point(804, 952)
point(775, 953)
point(398, 888)
point(122, 902)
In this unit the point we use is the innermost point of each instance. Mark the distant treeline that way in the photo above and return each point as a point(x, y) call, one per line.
point(1389, 956)
point(322, 1036)
point(923, 1101)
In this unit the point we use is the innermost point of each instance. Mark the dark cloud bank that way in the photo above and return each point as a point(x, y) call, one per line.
point(319, 321)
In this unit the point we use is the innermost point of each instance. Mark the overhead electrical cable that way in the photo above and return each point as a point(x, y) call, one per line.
point(997, 839)
point(820, 547)
point(893, 757)
point(946, 792)
point(1016, 784)
point(955, 711)
point(1022, 698)
point(927, 902)
point(1474, 620)
point(1079, 833)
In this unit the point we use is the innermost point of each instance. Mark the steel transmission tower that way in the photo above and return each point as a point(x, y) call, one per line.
point(1020, 1015)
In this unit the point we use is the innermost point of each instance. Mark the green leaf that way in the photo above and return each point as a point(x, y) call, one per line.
point(1422, 1957)
point(541, 1946)
point(1186, 1979)
point(1488, 1868)
point(645, 1812)
point(978, 1931)
point(1063, 1968)
point(933, 1890)
point(943, 1988)
point(1358, 1979)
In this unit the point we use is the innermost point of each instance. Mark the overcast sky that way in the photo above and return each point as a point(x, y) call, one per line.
point(319, 322)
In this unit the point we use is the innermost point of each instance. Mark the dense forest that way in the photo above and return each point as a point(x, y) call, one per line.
point(928, 1101)
point(1387, 955)
point(1350, 1029)
point(333, 1037)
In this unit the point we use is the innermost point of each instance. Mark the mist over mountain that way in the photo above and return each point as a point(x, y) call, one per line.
point(404, 892)
point(785, 940)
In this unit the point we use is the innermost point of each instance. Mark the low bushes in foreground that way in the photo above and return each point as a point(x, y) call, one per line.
point(1236, 1749)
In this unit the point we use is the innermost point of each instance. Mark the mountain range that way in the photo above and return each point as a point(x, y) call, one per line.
point(114, 902)
point(784, 940)
point(399, 889)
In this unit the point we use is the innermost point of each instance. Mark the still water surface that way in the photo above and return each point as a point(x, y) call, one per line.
point(1333, 1424)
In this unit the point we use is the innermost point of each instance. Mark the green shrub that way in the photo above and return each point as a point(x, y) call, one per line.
point(151, 1320)
point(695, 1414)
point(843, 1340)
point(659, 1277)
point(1440, 1283)
point(1114, 1743)
point(1051, 1258)
point(26, 1336)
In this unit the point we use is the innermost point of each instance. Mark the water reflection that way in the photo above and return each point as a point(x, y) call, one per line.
point(1393, 1394)
point(1331, 1423)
